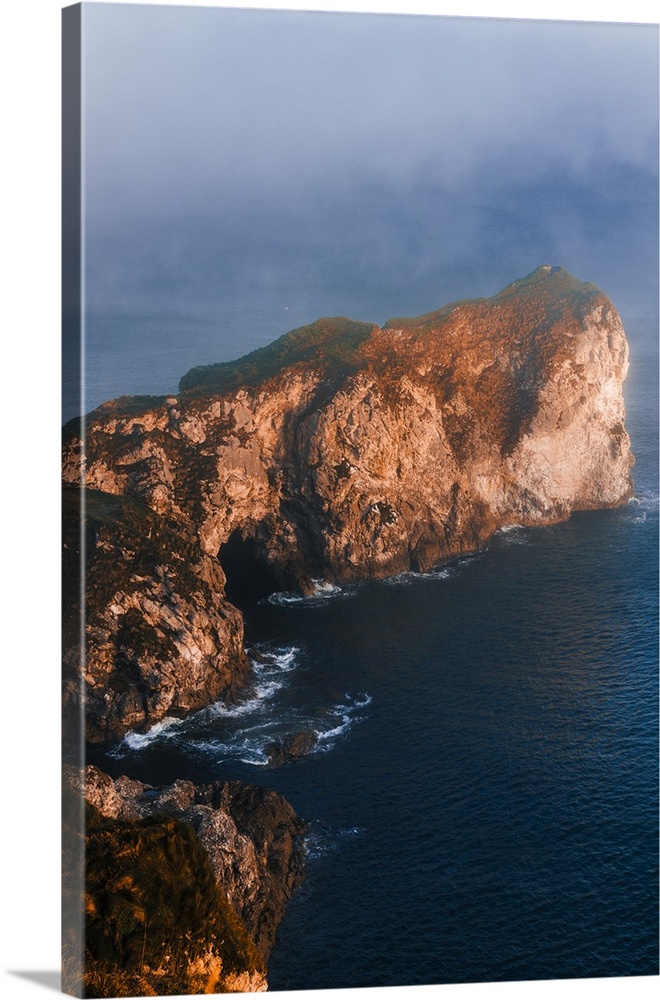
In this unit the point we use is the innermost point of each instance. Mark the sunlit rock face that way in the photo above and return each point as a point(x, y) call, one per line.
point(345, 451)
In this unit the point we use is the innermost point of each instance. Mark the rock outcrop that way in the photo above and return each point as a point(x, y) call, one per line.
point(291, 747)
point(252, 836)
point(344, 451)
point(156, 922)
point(159, 639)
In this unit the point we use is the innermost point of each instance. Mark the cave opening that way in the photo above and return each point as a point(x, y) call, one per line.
point(249, 577)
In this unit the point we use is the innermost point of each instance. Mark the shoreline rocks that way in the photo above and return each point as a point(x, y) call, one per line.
point(252, 837)
point(291, 747)
point(159, 638)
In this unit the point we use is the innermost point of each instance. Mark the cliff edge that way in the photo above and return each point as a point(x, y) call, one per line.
point(184, 885)
point(345, 451)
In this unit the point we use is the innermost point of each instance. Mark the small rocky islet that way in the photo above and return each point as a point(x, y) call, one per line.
point(342, 451)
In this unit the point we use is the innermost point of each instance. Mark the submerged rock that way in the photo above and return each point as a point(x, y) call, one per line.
point(291, 747)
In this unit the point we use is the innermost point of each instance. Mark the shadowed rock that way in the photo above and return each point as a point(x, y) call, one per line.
point(291, 747)
point(252, 836)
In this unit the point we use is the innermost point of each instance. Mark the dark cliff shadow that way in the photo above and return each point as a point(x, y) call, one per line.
point(49, 980)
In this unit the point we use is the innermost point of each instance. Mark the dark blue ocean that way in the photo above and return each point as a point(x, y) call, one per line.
point(483, 796)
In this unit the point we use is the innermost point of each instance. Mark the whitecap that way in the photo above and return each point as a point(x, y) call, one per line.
point(647, 499)
point(284, 597)
point(160, 730)
point(323, 591)
point(270, 672)
point(643, 504)
point(405, 579)
point(250, 744)
point(262, 692)
point(345, 717)
point(322, 588)
point(245, 731)
point(435, 574)
point(283, 658)
point(351, 832)
point(513, 534)
point(249, 751)
point(245, 749)
point(331, 734)
point(323, 840)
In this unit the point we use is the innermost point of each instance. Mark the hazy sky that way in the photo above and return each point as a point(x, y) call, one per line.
point(193, 104)
point(249, 171)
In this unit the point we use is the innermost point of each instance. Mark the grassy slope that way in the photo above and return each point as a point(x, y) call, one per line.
point(553, 282)
point(152, 903)
point(331, 342)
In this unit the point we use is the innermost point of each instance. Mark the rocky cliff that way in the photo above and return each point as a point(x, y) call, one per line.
point(252, 837)
point(345, 450)
point(183, 886)
point(158, 639)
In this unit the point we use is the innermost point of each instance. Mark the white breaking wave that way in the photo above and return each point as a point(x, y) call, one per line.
point(323, 591)
point(513, 534)
point(251, 744)
point(245, 732)
point(643, 504)
point(443, 572)
point(268, 671)
point(322, 839)
point(164, 729)
point(648, 499)
point(346, 718)
point(405, 579)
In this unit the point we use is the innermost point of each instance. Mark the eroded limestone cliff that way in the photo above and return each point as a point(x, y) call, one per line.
point(346, 451)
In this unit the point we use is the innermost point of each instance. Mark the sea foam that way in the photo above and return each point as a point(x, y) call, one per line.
point(323, 591)
point(643, 504)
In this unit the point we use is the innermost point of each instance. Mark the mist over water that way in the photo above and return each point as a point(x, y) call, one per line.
point(200, 291)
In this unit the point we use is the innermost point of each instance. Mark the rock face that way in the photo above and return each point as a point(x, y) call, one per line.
point(159, 640)
point(157, 921)
point(345, 451)
point(252, 837)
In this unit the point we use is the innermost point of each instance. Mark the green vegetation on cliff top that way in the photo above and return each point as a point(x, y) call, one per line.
point(335, 343)
point(332, 342)
point(554, 282)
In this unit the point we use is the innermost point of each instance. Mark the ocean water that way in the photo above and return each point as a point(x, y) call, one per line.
point(483, 793)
